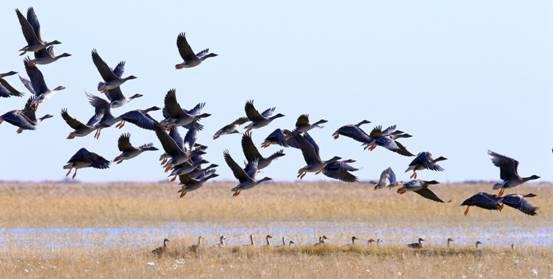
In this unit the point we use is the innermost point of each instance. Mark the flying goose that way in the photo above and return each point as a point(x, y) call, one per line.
point(85, 159)
point(6, 90)
point(128, 151)
point(46, 56)
point(303, 125)
point(341, 170)
point(280, 137)
point(520, 203)
point(190, 184)
point(388, 139)
point(508, 172)
point(190, 58)
point(424, 161)
point(139, 117)
point(24, 119)
point(112, 78)
point(421, 187)
point(79, 129)
point(246, 177)
point(310, 152)
point(103, 117)
point(175, 116)
point(259, 120)
point(231, 128)
point(387, 178)
point(252, 154)
point(176, 154)
point(484, 201)
point(353, 131)
point(36, 84)
point(31, 31)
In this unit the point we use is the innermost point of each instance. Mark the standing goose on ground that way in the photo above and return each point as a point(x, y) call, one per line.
point(252, 154)
point(31, 31)
point(85, 159)
point(190, 58)
point(477, 244)
point(128, 151)
point(341, 170)
point(36, 84)
point(268, 240)
point(520, 203)
point(280, 137)
point(416, 245)
point(175, 115)
point(387, 178)
point(508, 172)
point(139, 117)
point(160, 251)
point(190, 184)
point(449, 241)
point(303, 125)
point(246, 177)
point(231, 128)
point(46, 56)
point(424, 161)
point(483, 200)
point(79, 129)
point(259, 120)
point(353, 131)
point(6, 90)
point(310, 151)
point(112, 78)
point(421, 187)
point(387, 139)
point(24, 119)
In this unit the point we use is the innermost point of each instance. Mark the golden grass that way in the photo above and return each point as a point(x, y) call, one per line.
point(295, 262)
point(137, 204)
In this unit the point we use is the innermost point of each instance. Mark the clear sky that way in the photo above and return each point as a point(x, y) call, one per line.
point(461, 76)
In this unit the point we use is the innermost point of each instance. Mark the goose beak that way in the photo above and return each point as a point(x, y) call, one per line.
point(265, 144)
point(335, 135)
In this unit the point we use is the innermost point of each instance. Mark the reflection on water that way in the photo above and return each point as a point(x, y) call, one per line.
point(238, 234)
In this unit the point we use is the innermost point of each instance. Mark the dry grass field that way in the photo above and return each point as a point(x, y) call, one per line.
point(94, 205)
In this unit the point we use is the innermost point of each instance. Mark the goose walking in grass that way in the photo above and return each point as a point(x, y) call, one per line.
point(79, 129)
point(190, 59)
point(520, 203)
point(128, 151)
point(341, 170)
point(310, 151)
point(160, 251)
point(85, 159)
point(259, 120)
point(303, 125)
point(388, 139)
point(46, 56)
point(175, 116)
point(252, 153)
point(416, 245)
point(31, 31)
point(231, 128)
point(421, 187)
point(508, 172)
point(424, 161)
point(199, 172)
point(268, 240)
point(246, 177)
point(190, 184)
point(280, 137)
point(353, 131)
point(387, 179)
point(484, 201)
point(24, 119)
point(139, 118)
point(6, 90)
point(112, 78)
point(36, 84)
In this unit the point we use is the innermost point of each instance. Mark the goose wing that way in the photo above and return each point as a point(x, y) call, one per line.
point(72, 122)
point(185, 50)
point(309, 151)
point(250, 151)
point(7, 90)
point(252, 113)
point(175, 135)
point(172, 106)
point(33, 20)
point(507, 166)
point(124, 143)
point(119, 69)
point(520, 203)
point(191, 136)
point(237, 171)
point(37, 79)
point(27, 28)
point(139, 119)
point(115, 94)
point(103, 68)
point(169, 145)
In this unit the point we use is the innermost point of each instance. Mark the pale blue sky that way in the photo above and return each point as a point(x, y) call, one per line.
point(461, 76)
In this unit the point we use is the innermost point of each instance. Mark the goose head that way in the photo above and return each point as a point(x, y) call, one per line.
point(10, 73)
point(137, 95)
point(59, 88)
point(46, 116)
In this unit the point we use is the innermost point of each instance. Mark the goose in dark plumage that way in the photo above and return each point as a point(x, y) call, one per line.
point(484, 201)
point(175, 116)
point(160, 251)
point(176, 154)
point(303, 125)
point(190, 59)
point(508, 172)
point(31, 31)
point(24, 119)
point(46, 56)
point(199, 172)
point(341, 170)
point(196, 161)
point(85, 159)
point(36, 84)
point(117, 99)
point(388, 139)
point(310, 151)
point(387, 179)
point(231, 128)
point(252, 154)
point(416, 245)
point(246, 177)
point(424, 161)
point(6, 90)
point(280, 137)
point(79, 129)
point(190, 184)
point(259, 120)
point(103, 117)
point(139, 117)
point(520, 203)
point(128, 151)
point(421, 187)
point(112, 78)
point(353, 131)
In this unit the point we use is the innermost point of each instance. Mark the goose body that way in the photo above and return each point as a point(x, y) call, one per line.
point(139, 118)
point(128, 151)
point(416, 245)
point(508, 172)
point(85, 159)
point(425, 161)
point(388, 139)
point(46, 56)
point(36, 85)
point(112, 78)
point(30, 27)
point(79, 129)
point(303, 125)
point(190, 184)
point(160, 251)
point(259, 120)
point(310, 151)
point(231, 128)
point(280, 137)
point(246, 177)
point(252, 153)
point(354, 132)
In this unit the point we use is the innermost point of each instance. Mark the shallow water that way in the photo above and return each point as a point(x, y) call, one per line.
point(299, 232)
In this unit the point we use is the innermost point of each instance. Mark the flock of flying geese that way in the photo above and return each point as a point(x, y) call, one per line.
point(183, 157)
